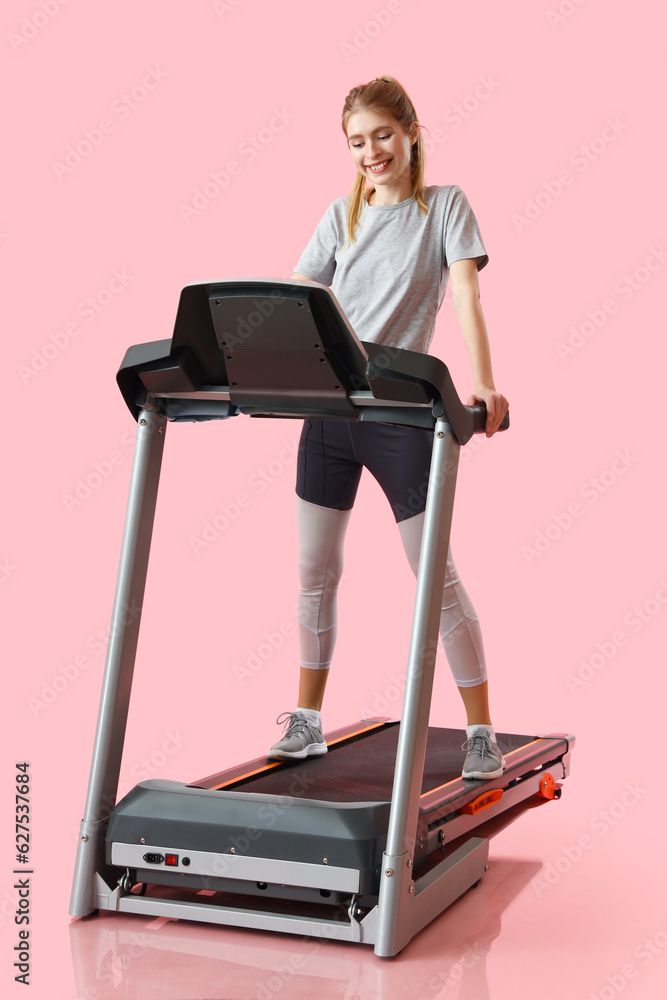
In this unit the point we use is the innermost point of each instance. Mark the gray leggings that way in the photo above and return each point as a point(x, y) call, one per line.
point(321, 537)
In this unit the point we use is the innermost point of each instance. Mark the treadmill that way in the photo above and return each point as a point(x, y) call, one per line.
point(371, 841)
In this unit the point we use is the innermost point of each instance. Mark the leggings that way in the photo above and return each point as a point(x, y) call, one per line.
point(331, 458)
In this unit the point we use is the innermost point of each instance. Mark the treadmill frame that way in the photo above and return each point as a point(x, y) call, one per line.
point(405, 904)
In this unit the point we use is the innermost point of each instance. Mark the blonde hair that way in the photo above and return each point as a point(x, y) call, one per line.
point(384, 94)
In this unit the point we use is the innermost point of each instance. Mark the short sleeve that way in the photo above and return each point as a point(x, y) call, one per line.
point(318, 260)
point(462, 238)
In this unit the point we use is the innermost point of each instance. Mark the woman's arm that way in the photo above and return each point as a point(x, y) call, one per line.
point(465, 291)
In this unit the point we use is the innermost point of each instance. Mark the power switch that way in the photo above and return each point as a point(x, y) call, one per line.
point(171, 859)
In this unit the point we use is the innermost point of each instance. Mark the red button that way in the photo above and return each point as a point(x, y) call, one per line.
point(171, 859)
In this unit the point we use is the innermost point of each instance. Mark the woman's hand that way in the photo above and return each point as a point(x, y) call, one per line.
point(496, 407)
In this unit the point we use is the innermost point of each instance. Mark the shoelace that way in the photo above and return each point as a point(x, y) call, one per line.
point(293, 724)
point(479, 744)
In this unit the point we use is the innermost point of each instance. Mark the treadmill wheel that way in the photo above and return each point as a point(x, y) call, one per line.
point(548, 788)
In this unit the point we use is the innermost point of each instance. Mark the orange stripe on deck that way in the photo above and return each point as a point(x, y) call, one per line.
point(277, 763)
point(508, 754)
point(357, 732)
point(248, 774)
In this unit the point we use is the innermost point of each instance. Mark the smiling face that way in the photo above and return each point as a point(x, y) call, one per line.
point(381, 149)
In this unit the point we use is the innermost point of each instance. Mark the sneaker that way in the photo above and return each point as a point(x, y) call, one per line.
point(484, 759)
point(301, 739)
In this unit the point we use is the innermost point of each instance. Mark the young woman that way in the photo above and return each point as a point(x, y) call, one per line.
point(387, 251)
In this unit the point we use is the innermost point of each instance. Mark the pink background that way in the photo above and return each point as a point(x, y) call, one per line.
point(535, 89)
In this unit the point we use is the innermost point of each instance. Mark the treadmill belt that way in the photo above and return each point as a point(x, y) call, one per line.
point(363, 769)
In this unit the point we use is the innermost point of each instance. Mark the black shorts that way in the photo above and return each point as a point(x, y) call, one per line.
point(332, 454)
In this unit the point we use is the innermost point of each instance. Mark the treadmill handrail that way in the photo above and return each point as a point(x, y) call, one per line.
point(197, 359)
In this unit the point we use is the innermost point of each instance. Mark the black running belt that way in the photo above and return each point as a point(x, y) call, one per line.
point(362, 770)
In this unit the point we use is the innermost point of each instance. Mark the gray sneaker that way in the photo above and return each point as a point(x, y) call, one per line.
point(301, 739)
point(484, 759)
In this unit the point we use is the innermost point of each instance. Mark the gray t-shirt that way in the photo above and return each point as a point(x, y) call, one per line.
point(391, 281)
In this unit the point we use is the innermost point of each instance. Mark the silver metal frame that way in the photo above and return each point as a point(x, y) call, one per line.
point(403, 906)
point(90, 865)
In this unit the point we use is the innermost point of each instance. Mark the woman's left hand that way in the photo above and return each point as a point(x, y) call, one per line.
point(496, 407)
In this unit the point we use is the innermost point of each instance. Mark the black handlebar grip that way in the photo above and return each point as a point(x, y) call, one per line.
point(479, 418)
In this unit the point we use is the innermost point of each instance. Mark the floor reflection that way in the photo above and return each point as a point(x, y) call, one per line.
point(143, 958)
